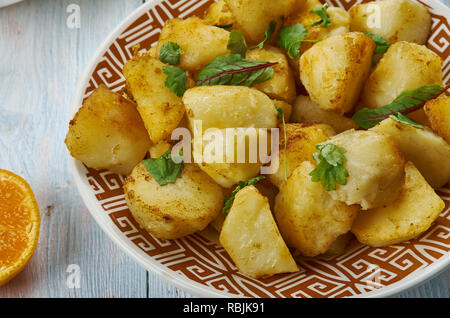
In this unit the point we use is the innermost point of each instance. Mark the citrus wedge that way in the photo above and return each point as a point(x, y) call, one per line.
point(19, 224)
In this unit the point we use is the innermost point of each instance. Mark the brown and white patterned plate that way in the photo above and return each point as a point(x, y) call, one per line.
point(197, 263)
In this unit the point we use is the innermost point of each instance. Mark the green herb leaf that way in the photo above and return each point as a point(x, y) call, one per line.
point(232, 69)
point(382, 44)
point(267, 34)
point(330, 166)
point(242, 184)
point(407, 102)
point(163, 169)
point(405, 120)
point(236, 43)
point(291, 37)
point(170, 53)
point(280, 115)
point(325, 21)
point(225, 26)
point(176, 79)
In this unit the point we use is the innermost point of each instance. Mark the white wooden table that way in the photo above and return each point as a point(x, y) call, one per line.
point(41, 59)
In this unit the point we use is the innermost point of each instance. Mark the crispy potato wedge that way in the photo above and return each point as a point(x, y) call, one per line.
point(229, 107)
point(253, 16)
point(251, 237)
point(438, 113)
point(160, 109)
point(375, 166)
point(176, 209)
point(200, 42)
point(300, 146)
point(308, 112)
point(394, 20)
point(411, 214)
point(308, 218)
point(429, 152)
point(108, 133)
point(334, 70)
point(403, 67)
point(282, 84)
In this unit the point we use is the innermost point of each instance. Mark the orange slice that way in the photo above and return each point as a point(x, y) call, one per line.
point(19, 224)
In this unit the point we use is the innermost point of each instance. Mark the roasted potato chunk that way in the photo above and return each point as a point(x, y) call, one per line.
point(308, 112)
point(308, 218)
point(429, 152)
point(403, 67)
point(375, 166)
point(282, 84)
point(300, 146)
point(334, 70)
point(438, 113)
point(253, 16)
point(160, 109)
point(411, 214)
point(240, 158)
point(251, 237)
point(108, 133)
point(394, 20)
point(229, 107)
point(219, 14)
point(200, 42)
point(176, 209)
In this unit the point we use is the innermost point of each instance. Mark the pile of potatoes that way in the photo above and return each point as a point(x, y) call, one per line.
point(394, 168)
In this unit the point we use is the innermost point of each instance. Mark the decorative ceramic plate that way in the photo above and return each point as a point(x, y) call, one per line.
point(197, 263)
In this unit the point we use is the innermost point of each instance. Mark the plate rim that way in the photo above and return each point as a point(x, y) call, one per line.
point(194, 288)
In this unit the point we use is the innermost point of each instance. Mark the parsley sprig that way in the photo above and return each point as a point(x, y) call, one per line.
point(176, 79)
point(267, 35)
point(330, 166)
point(164, 169)
point(291, 37)
point(325, 20)
point(170, 53)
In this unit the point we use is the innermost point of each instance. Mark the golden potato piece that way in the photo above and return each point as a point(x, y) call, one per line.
point(160, 109)
point(219, 14)
point(410, 215)
point(200, 42)
point(429, 152)
point(308, 218)
point(176, 209)
point(108, 133)
point(334, 70)
point(394, 20)
point(287, 110)
point(340, 245)
point(251, 237)
point(282, 84)
point(438, 113)
point(308, 112)
point(301, 144)
point(253, 16)
point(159, 149)
point(375, 166)
point(403, 67)
point(224, 106)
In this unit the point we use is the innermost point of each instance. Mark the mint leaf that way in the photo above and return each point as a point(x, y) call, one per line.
point(291, 37)
point(170, 53)
point(405, 120)
point(236, 43)
point(176, 79)
point(330, 166)
point(232, 69)
point(406, 102)
point(163, 169)
point(242, 184)
point(382, 44)
point(267, 34)
point(325, 20)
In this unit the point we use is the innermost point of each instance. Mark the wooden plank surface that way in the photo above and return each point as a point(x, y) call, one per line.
point(41, 60)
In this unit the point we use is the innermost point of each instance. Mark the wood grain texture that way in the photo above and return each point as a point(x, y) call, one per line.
point(41, 62)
